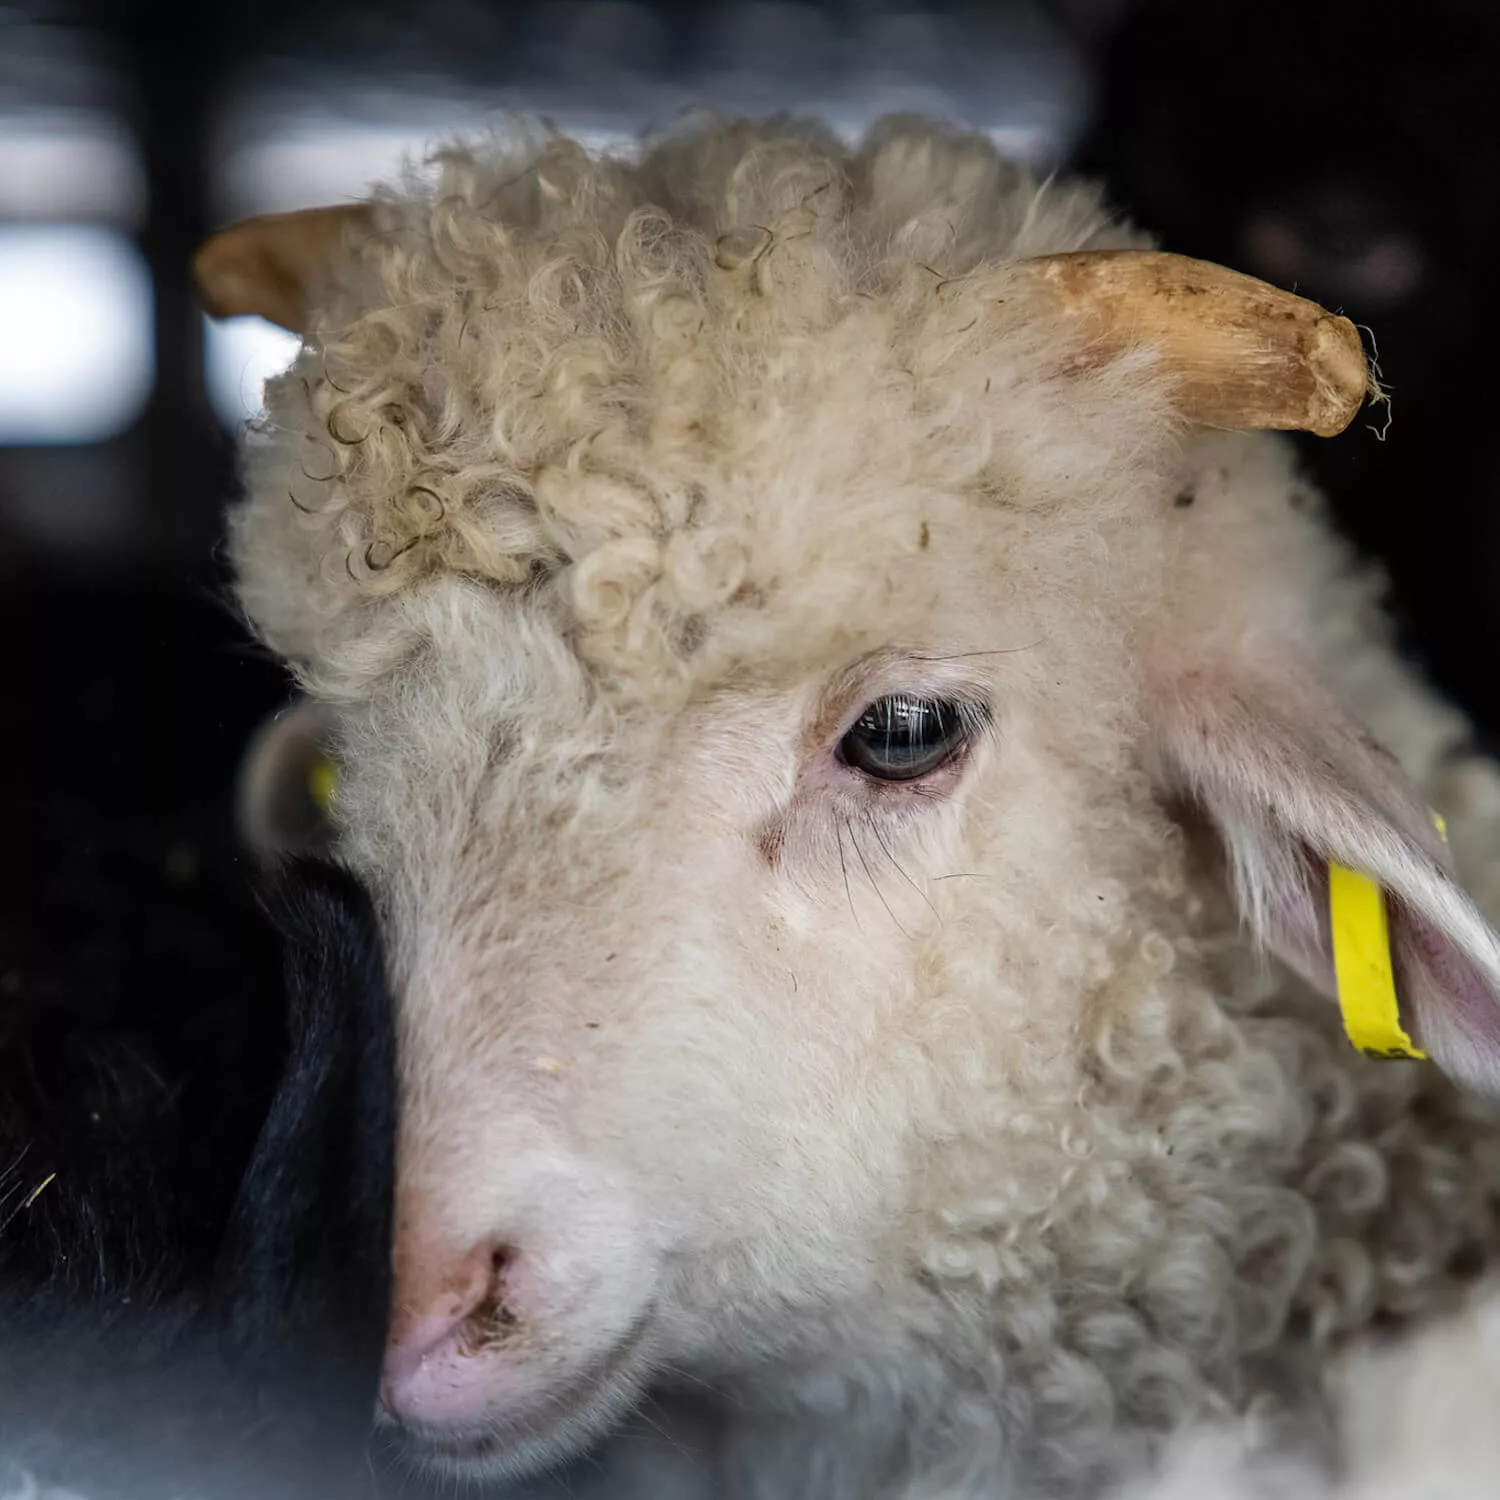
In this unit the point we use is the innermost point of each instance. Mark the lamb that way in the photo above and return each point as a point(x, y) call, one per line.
point(848, 717)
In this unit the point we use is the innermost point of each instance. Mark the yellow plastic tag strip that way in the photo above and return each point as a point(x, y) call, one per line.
point(1362, 963)
point(323, 782)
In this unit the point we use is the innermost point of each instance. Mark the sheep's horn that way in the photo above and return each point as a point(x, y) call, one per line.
point(1245, 353)
point(265, 265)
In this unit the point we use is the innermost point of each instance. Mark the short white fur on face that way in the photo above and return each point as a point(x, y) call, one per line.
point(951, 1129)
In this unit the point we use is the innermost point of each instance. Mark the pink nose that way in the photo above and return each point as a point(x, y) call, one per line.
point(428, 1337)
point(512, 1299)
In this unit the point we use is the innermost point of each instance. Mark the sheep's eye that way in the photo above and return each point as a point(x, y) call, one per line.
point(902, 737)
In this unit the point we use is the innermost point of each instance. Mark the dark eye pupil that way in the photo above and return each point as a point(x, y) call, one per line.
point(901, 737)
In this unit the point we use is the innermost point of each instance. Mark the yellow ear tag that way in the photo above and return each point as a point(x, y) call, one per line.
point(323, 782)
point(1362, 963)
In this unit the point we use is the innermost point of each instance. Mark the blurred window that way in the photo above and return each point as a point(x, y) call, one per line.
point(69, 164)
point(239, 355)
point(77, 354)
point(76, 307)
point(604, 70)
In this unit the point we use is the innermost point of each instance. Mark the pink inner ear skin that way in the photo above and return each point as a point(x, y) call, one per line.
point(1448, 1004)
point(1300, 930)
point(1289, 780)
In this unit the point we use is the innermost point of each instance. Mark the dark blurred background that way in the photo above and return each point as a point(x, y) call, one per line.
point(1345, 149)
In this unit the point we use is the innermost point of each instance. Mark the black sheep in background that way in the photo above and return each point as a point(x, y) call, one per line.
point(1349, 151)
point(196, 1083)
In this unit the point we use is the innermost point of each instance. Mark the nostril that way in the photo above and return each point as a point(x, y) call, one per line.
point(491, 1317)
point(465, 1315)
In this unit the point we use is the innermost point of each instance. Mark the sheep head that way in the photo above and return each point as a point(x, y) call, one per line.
point(800, 668)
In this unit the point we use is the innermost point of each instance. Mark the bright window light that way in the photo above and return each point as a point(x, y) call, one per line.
point(77, 359)
point(289, 158)
point(282, 149)
point(69, 164)
point(239, 355)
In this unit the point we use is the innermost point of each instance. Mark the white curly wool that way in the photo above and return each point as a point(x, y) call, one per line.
point(979, 1135)
point(1415, 1422)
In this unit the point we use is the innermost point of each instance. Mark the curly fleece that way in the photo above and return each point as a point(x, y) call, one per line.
point(581, 458)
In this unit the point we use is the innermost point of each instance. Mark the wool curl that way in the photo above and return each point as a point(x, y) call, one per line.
point(1415, 1415)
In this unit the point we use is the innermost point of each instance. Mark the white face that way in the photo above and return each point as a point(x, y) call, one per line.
point(665, 978)
point(688, 1038)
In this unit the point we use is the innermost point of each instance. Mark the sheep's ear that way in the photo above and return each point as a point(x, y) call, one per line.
point(267, 264)
point(1291, 784)
point(287, 783)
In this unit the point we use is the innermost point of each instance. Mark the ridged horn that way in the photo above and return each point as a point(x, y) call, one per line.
point(1244, 353)
point(266, 264)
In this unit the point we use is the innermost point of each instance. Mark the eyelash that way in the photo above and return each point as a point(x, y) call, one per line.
point(834, 799)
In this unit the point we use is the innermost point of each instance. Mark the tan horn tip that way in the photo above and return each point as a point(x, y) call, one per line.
point(268, 264)
point(1342, 373)
point(1240, 352)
